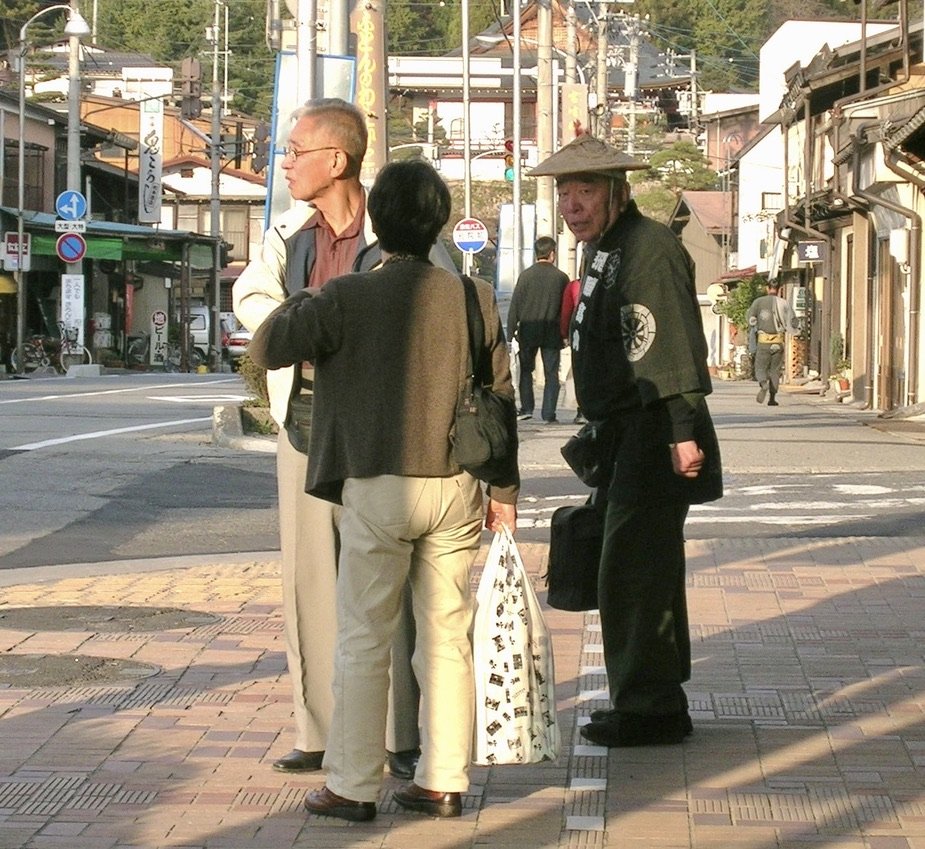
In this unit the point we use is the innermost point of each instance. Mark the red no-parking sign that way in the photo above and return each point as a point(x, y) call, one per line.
point(71, 247)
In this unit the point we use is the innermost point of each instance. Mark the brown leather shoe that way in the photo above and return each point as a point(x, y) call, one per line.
point(431, 802)
point(299, 761)
point(328, 804)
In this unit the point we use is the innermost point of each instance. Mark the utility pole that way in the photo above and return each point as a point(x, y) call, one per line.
point(516, 135)
point(215, 210)
point(567, 240)
point(602, 112)
point(306, 26)
point(545, 132)
point(630, 77)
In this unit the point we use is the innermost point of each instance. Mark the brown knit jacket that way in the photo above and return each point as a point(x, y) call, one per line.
point(390, 353)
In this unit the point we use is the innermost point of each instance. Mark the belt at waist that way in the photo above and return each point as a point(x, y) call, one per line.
point(770, 338)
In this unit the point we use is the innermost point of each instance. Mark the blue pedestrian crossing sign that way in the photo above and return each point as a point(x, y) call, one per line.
point(470, 235)
point(71, 206)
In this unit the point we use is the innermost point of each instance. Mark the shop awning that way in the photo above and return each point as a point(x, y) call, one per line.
point(118, 241)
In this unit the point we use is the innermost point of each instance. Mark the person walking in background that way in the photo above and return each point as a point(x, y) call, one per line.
point(773, 318)
point(391, 350)
point(533, 320)
point(640, 366)
point(304, 248)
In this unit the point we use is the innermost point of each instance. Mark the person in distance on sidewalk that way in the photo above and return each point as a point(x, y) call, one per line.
point(533, 319)
point(639, 362)
point(391, 351)
point(773, 318)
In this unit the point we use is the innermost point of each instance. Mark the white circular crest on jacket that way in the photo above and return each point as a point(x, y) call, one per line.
point(638, 330)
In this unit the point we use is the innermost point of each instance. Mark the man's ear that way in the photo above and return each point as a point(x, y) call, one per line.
point(341, 164)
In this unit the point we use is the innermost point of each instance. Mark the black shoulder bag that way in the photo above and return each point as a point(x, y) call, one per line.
point(482, 439)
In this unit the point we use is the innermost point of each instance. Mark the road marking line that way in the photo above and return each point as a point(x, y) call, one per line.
point(193, 399)
point(64, 395)
point(32, 446)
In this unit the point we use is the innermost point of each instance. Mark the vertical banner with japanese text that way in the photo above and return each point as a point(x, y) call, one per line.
point(150, 160)
point(368, 24)
point(72, 306)
point(574, 110)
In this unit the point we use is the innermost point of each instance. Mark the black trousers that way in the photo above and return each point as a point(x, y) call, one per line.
point(643, 607)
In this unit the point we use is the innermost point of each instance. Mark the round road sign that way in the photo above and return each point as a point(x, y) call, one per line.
point(470, 235)
point(71, 247)
point(71, 205)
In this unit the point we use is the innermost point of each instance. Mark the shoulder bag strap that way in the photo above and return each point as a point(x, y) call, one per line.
point(475, 325)
point(778, 317)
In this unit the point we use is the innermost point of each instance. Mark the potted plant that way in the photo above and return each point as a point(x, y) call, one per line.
point(840, 363)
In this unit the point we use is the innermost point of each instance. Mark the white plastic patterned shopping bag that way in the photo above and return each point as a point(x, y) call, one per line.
point(515, 702)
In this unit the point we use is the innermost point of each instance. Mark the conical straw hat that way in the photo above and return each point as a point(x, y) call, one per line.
point(587, 155)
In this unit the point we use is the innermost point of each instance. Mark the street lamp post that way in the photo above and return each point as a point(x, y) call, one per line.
point(75, 29)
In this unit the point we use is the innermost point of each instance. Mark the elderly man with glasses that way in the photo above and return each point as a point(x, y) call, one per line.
point(325, 237)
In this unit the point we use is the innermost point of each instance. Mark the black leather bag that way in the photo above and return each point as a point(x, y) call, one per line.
point(576, 537)
point(299, 422)
point(590, 453)
point(481, 437)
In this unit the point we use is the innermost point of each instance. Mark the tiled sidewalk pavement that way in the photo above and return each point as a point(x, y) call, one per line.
point(807, 699)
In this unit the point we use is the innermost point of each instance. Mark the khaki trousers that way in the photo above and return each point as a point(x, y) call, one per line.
point(309, 543)
point(394, 529)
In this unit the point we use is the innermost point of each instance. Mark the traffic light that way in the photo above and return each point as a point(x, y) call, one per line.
point(261, 155)
point(509, 160)
point(191, 80)
point(224, 253)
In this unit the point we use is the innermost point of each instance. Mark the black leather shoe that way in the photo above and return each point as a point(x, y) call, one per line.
point(299, 761)
point(403, 764)
point(625, 730)
point(602, 715)
point(328, 804)
point(430, 802)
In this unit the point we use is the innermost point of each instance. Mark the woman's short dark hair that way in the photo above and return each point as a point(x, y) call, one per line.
point(408, 205)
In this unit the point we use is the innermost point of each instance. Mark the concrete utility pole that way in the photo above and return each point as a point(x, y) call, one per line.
point(516, 136)
point(215, 207)
point(545, 130)
point(306, 27)
point(602, 112)
point(630, 77)
point(567, 241)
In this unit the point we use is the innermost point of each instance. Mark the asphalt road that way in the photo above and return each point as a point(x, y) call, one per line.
point(124, 467)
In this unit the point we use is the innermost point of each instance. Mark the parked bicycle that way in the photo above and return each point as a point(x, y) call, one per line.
point(35, 355)
point(137, 353)
point(70, 351)
point(49, 352)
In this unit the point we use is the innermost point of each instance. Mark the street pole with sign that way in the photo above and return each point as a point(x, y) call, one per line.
point(75, 29)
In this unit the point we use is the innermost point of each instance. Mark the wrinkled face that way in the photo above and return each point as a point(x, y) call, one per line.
point(585, 204)
point(314, 161)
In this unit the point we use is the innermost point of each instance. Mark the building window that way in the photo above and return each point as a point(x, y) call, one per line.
point(34, 184)
point(772, 201)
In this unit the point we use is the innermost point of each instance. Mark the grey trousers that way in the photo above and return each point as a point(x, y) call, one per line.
point(769, 358)
point(310, 546)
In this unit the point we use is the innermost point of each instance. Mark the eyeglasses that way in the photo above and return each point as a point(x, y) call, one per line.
point(292, 153)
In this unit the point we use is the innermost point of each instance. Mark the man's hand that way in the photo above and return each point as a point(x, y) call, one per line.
point(687, 459)
point(498, 514)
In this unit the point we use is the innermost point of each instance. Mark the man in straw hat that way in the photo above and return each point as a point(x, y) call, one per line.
point(639, 362)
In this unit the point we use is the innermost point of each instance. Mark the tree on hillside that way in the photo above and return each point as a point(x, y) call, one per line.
point(16, 12)
point(169, 30)
point(682, 167)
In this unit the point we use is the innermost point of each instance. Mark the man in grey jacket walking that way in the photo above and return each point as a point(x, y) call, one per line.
point(773, 318)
